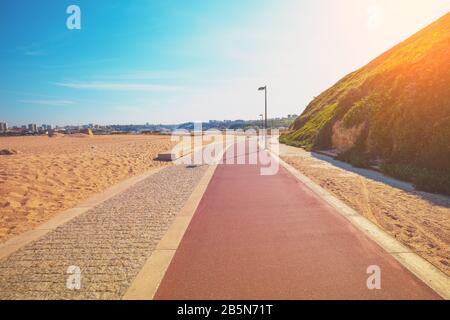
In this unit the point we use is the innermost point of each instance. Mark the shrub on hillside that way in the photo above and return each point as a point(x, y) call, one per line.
point(422, 179)
point(355, 158)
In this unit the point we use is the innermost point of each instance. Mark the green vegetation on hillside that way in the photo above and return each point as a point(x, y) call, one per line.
point(308, 133)
point(402, 101)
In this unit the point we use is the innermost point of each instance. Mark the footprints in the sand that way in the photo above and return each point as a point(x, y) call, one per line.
point(390, 215)
point(407, 230)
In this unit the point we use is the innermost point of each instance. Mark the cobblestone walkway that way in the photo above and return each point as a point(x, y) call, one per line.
point(109, 243)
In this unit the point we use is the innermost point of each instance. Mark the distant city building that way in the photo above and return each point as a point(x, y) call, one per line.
point(277, 122)
point(3, 127)
point(32, 127)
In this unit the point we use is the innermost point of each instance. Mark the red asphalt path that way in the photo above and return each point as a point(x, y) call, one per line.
point(270, 237)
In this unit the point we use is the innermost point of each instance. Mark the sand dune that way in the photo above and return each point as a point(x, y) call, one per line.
point(49, 175)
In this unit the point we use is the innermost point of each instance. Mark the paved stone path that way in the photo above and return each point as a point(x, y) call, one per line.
point(110, 243)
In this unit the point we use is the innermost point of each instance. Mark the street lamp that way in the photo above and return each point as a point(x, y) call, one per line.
point(265, 109)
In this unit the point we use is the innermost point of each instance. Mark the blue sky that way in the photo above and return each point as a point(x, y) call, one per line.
point(174, 61)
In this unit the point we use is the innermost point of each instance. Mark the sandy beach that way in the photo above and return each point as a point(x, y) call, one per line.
point(419, 220)
point(49, 175)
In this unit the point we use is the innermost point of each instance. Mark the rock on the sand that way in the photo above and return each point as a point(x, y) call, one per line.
point(7, 152)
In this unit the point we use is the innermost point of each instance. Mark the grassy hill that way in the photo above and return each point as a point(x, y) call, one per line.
point(395, 110)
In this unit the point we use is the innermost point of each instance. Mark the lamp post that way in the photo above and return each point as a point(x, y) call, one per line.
point(265, 111)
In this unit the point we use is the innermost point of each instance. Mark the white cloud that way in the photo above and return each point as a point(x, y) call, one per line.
point(55, 103)
point(148, 75)
point(118, 86)
point(35, 53)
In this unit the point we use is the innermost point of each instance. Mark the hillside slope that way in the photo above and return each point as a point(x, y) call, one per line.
point(395, 110)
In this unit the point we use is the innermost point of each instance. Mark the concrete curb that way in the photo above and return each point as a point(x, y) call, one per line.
point(425, 271)
point(14, 244)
